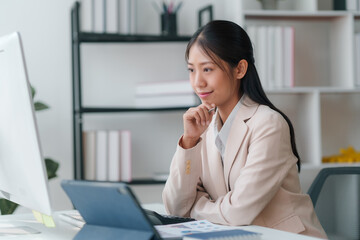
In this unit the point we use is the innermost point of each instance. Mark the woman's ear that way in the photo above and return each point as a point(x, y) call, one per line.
point(241, 69)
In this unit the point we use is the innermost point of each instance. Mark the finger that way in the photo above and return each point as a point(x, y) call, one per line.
point(203, 114)
point(207, 105)
point(197, 117)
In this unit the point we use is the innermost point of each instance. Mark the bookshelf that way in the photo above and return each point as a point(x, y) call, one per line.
point(324, 104)
point(79, 110)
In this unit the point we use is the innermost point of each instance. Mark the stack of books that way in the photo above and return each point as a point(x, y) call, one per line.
point(108, 16)
point(274, 55)
point(107, 155)
point(165, 94)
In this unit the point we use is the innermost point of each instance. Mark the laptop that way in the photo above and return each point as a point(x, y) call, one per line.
point(110, 210)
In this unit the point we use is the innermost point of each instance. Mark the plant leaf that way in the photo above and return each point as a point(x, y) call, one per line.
point(51, 167)
point(33, 92)
point(40, 106)
point(7, 207)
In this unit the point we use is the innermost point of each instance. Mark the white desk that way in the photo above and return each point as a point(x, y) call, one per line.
point(65, 231)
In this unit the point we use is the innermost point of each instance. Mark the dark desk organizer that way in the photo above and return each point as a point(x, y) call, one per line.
point(168, 24)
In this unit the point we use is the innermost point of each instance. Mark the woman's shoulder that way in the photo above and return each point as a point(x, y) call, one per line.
point(268, 116)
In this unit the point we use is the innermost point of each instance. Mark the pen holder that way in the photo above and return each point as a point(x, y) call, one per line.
point(168, 24)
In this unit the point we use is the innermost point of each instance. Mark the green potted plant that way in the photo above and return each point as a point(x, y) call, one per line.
point(8, 207)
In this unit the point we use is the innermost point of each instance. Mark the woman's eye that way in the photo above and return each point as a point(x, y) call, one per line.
point(190, 70)
point(207, 69)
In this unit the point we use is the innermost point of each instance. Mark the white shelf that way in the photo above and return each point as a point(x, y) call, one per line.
point(299, 90)
point(248, 14)
point(324, 104)
point(307, 166)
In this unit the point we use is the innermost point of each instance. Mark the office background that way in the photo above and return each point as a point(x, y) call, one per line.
point(45, 29)
point(107, 73)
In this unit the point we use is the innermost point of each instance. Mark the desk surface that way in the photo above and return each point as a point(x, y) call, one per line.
point(64, 230)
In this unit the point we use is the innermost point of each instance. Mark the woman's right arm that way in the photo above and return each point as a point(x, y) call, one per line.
point(180, 190)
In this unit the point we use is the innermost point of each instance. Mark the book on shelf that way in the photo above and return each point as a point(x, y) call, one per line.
point(89, 146)
point(108, 16)
point(233, 234)
point(114, 146)
point(111, 11)
point(163, 87)
point(119, 149)
point(125, 156)
point(357, 59)
point(86, 16)
point(107, 155)
point(172, 100)
point(258, 38)
point(127, 16)
point(288, 57)
point(99, 16)
point(165, 94)
point(101, 161)
point(274, 55)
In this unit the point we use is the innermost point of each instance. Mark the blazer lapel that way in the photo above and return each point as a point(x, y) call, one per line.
point(237, 134)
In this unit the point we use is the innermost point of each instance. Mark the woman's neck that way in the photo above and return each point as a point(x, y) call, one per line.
point(224, 111)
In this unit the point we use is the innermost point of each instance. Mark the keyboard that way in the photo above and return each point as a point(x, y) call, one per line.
point(75, 219)
point(161, 219)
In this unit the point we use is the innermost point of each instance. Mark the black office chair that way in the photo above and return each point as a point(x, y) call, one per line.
point(335, 193)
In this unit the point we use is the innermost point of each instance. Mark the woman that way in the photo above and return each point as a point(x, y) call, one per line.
point(237, 165)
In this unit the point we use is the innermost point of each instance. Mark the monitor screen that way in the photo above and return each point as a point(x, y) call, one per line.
point(23, 177)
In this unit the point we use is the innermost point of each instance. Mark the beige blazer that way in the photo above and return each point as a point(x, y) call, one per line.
point(257, 183)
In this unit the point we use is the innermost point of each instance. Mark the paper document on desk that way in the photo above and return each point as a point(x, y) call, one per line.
point(182, 229)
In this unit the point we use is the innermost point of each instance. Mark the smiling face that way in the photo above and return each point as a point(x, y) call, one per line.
point(210, 82)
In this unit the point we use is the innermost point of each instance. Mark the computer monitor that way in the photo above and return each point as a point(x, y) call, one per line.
point(23, 177)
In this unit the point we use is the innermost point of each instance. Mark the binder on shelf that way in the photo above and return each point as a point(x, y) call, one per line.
point(261, 55)
point(175, 100)
point(125, 156)
point(270, 56)
point(114, 149)
point(127, 16)
point(86, 16)
point(101, 155)
point(288, 57)
point(99, 16)
point(357, 59)
point(163, 87)
point(165, 94)
point(278, 57)
point(107, 155)
point(111, 16)
point(89, 149)
point(274, 55)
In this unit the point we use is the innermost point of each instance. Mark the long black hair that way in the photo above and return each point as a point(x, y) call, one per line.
point(229, 42)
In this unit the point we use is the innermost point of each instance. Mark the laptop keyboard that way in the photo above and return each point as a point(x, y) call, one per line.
point(75, 219)
point(161, 219)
